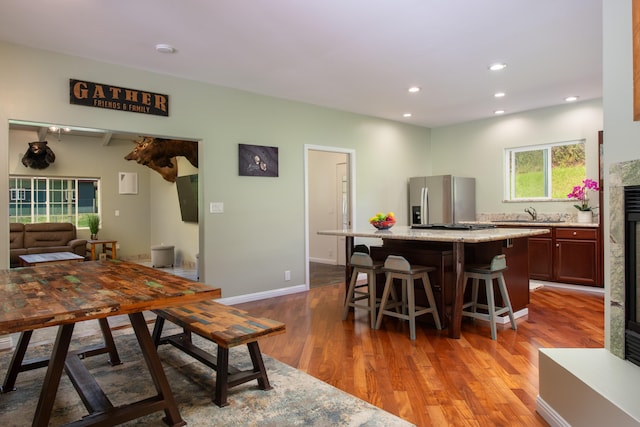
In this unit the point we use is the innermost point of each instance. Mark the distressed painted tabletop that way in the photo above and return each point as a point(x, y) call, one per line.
point(38, 297)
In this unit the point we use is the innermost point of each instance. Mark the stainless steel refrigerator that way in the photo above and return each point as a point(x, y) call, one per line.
point(443, 199)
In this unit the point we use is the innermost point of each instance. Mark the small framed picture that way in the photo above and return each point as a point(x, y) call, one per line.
point(257, 160)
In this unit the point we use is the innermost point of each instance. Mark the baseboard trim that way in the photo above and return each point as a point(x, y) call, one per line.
point(329, 261)
point(570, 287)
point(549, 414)
point(262, 295)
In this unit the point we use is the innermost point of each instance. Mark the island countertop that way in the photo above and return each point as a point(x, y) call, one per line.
point(465, 236)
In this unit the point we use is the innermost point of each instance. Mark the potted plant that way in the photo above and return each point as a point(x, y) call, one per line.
point(93, 221)
point(581, 193)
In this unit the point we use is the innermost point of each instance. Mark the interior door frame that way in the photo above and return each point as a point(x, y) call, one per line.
point(351, 166)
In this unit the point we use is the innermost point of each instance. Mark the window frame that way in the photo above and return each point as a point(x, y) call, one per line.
point(509, 165)
point(60, 194)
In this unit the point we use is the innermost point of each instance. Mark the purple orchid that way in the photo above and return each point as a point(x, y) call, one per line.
point(582, 193)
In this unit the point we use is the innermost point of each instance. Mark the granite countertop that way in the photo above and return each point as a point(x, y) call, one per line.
point(539, 223)
point(470, 236)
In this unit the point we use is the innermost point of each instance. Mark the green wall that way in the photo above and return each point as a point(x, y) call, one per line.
point(477, 149)
point(261, 233)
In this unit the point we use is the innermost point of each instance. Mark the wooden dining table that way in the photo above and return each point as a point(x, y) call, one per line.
point(64, 294)
point(456, 239)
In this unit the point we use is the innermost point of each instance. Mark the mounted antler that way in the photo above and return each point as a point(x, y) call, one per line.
point(169, 172)
point(160, 151)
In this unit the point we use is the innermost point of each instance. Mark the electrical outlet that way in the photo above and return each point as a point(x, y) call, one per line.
point(216, 207)
point(287, 275)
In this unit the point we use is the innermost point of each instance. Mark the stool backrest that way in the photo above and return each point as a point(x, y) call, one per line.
point(499, 262)
point(361, 259)
point(361, 248)
point(394, 262)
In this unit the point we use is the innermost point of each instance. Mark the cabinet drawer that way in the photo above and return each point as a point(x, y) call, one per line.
point(576, 233)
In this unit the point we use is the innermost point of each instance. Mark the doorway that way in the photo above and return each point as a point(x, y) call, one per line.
point(329, 192)
point(136, 220)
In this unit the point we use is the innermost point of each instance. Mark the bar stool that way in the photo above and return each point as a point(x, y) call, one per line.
point(488, 273)
point(397, 267)
point(362, 263)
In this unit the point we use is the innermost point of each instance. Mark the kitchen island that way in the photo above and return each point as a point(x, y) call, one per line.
point(447, 250)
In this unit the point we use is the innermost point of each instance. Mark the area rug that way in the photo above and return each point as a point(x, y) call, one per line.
point(297, 399)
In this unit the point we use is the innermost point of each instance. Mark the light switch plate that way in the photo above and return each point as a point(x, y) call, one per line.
point(216, 207)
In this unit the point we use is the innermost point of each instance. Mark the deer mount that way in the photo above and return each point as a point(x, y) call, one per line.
point(159, 154)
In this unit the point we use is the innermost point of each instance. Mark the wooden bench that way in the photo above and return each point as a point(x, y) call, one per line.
point(227, 327)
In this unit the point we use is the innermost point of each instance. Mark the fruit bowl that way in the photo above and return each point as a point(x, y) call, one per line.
point(383, 221)
point(384, 225)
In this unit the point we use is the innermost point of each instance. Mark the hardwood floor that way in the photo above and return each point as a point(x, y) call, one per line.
point(434, 381)
point(325, 274)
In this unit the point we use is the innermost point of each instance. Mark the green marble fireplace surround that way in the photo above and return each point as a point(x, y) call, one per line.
point(620, 176)
point(597, 386)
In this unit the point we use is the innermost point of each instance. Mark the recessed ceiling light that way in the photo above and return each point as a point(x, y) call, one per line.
point(571, 98)
point(497, 66)
point(499, 94)
point(407, 115)
point(498, 112)
point(414, 89)
point(165, 48)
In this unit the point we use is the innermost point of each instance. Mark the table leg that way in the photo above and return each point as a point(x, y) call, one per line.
point(52, 377)
point(16, 362)
point(455, 323)
point(114, 254)
point(109, 344)
point(148, 348)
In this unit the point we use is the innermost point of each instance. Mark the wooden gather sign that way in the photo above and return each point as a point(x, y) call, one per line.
point(117, 98)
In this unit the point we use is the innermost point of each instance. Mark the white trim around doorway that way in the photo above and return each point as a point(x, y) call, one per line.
point(352, 194)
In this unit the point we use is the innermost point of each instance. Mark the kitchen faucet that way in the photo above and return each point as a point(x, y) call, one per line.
point(531, 211)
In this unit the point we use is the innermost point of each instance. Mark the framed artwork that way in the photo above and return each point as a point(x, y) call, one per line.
point(257, 160)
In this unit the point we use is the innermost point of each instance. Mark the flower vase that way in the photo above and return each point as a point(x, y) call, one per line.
point(585, 217)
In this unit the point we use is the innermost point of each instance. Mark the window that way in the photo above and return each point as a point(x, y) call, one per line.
point(17, 194)
point(42, 199)
point(544, 172)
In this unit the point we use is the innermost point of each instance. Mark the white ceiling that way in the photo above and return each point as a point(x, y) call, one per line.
point(353, 55)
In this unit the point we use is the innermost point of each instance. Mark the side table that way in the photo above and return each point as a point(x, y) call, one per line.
point(109, 247)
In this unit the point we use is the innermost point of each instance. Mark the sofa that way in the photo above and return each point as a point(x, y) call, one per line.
point(45, 237)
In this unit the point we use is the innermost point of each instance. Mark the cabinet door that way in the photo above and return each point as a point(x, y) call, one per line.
point(541, 258)
point(576, 261)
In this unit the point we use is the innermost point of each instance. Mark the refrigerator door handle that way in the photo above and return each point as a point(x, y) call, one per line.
point(424, 206)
